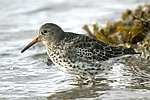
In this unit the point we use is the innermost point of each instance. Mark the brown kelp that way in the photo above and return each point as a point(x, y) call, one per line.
point(133, 30)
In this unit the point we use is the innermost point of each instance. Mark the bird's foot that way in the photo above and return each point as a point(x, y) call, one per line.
point(85, 81)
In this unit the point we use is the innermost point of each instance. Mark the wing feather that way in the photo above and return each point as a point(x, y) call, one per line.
point(94, 50)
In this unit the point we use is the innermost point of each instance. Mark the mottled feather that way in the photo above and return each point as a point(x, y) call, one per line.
point(92, 49)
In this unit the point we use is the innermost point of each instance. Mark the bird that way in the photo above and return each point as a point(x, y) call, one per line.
point(77, 54)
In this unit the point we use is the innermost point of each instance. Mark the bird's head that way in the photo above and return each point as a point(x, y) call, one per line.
point(48, 33)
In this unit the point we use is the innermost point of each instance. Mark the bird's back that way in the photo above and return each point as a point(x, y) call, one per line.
point(93, 49)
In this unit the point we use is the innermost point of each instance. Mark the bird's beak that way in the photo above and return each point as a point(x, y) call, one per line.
point(35, 40)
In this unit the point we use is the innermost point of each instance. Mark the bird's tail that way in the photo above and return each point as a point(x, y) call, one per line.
point(121, 51)
point(130, 51)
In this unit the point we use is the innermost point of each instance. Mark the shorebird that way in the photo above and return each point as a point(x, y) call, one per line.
point(77, 54)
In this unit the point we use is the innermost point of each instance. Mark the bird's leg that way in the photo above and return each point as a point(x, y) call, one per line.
point(81, 78)
point(90, 79)
point(85, 80)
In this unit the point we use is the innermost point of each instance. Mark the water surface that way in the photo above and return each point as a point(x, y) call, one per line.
point(27, 77)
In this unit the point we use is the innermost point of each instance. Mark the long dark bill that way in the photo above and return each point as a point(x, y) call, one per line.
point(35, 40)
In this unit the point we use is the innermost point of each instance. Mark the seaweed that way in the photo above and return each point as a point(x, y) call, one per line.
point(131, 31)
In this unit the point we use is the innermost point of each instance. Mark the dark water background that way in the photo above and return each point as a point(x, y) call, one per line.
point(27, 77)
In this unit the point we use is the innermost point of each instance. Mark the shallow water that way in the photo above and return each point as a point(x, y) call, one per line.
point(27, 77)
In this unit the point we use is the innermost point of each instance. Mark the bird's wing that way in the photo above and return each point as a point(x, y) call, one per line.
point(93, 50)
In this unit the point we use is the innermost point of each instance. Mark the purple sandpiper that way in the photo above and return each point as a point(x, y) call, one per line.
point(77, 54)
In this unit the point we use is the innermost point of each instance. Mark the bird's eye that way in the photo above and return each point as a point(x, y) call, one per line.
point(45, 31)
